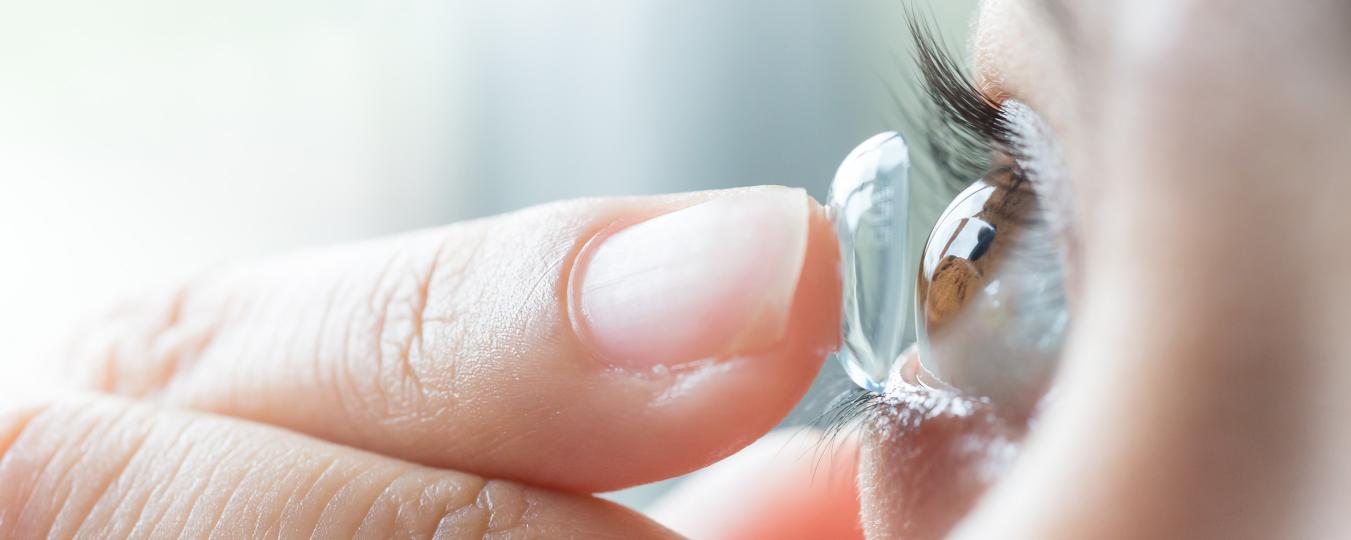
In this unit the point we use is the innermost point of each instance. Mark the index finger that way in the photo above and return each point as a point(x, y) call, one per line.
point(588, 345)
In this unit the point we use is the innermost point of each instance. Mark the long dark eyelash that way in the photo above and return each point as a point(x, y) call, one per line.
point(846, 408)
point(964, 127)
point(840, 416)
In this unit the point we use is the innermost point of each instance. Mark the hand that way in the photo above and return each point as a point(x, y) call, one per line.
point(475, 380)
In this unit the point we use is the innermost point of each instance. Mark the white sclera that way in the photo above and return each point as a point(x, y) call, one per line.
point(869, 204)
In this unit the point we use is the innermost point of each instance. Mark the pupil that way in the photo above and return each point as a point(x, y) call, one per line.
point(984, 237)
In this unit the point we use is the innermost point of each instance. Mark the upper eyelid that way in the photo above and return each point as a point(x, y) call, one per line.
point(1028, 50)
point(1039, 156)
point(953, 90)
point(978, 118)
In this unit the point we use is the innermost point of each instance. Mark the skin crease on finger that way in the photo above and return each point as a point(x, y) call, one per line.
point(455, 347)
point(1202, 391)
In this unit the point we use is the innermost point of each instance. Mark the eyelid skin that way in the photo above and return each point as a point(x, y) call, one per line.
point(1014, 57)
point(928, 455)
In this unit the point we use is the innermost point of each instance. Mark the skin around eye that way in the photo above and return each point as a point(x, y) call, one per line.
point(1205, 387)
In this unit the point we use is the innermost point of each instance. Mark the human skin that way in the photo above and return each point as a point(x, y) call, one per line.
point(449, 382)
point(1203, 390)
point(476, 380)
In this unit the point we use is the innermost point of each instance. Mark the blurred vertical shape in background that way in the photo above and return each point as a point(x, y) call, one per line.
point(144, 140)
point(604, 97)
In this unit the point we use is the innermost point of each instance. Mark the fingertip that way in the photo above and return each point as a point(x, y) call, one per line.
point(639, 423)
point(714, 408)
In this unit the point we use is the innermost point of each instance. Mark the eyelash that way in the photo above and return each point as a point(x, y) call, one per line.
point(964, 132)
point(964, 127)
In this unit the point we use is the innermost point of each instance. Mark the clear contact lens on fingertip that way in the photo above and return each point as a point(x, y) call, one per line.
point(869, 204)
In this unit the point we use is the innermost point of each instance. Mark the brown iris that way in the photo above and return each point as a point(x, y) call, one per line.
point(971, 242)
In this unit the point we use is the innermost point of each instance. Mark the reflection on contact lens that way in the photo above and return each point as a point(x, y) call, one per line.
point(990, 293)
point(869, 205)
point(985, 300)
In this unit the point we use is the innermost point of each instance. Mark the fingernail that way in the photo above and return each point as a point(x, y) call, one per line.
point(708, 281)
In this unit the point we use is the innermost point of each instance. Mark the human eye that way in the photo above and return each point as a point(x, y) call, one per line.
point(981, 297)
point(990, 295)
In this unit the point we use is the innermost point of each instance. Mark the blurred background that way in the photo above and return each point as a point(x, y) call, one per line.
point(144, 140)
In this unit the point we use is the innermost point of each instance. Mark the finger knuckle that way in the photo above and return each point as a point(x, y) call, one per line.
point(498, 509)
point(420, 503)
point(390, 369)
point(137, 347)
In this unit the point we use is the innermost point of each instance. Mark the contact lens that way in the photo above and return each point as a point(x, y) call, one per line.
point(981, 295)
point(869, 205)
point(990, 293)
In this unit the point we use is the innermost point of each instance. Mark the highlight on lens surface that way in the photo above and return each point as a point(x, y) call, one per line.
point(869, 204)
point(990, 294)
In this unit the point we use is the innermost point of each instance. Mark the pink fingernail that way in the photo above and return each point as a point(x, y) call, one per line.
point(711, 280)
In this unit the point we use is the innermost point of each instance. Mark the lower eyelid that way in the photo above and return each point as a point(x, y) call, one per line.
point(930, 455)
